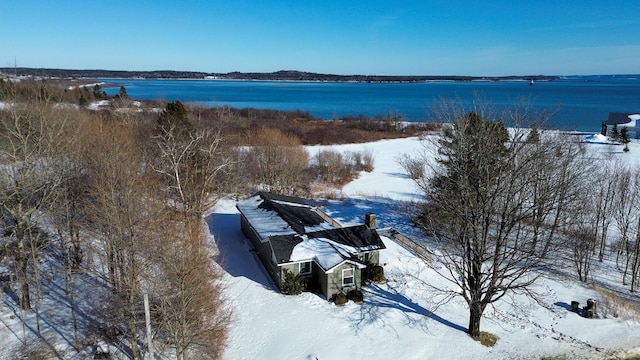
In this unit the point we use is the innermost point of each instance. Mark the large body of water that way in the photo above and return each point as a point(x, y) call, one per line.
point(581, 103)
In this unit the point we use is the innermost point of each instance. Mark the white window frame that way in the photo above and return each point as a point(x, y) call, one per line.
point(353, 277)
point(300, 268)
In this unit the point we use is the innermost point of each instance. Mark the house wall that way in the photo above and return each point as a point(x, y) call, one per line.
point(312, 282)
point(263, 250)
point(334, 280)
point(373, 257)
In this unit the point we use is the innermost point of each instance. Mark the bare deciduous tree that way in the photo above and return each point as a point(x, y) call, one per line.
point(27, 182)
point(190, 163)
point(191, 311)
point(485, 197)
point(277, 161)
point(124, 201)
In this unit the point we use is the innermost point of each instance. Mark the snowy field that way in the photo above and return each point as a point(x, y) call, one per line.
point(400, 319)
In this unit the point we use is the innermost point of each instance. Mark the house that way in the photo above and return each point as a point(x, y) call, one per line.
point(621, 120)
point(289, 234)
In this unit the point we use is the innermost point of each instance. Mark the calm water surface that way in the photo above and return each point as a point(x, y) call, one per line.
point(582, 103)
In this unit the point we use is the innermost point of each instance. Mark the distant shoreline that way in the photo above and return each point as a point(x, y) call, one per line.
point(285, 75)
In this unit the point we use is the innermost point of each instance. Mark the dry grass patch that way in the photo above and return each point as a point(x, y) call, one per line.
point(486, 339)
point(616, 306)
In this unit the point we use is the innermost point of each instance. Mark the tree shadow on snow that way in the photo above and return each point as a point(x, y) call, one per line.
point(235, 253)
point(378, 298)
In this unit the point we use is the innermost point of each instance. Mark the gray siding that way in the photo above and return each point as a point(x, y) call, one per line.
point(372, 257)
point(334, 281)
point(263, 250)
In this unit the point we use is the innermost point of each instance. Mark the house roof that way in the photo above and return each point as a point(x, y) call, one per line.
point(360, 237)
point(283, 245)
point(319, 250)
point(328, 248)
point(272, 215)
point(295, 211)
point(617, 118)
point(296, 232)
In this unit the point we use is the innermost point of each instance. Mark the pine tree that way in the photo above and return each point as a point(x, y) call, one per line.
point(175, 116)
point(123, 93)
point(82, 102)
point(624, 138)
point(534, 136)
point(615, 134)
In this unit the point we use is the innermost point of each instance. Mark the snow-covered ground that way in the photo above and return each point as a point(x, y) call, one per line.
point(401, 319)
point(398, 320)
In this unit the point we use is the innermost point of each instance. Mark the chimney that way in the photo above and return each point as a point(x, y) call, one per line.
point(370, 220)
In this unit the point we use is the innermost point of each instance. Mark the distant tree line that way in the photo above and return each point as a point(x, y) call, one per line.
point(287, 75)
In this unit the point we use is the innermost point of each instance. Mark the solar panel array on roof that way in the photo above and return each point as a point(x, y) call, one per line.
point(354, 236)
point(295, 211)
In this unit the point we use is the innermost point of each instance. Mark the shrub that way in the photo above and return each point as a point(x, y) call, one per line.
point(331, 166)
point(412, 166)
point(376, 274)
point(356, 296)
point(367, 160)
point(340, 299)
point(292, 284)
point(362, 160)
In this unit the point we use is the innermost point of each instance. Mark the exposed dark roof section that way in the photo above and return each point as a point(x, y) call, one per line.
point(282, 246)
point(616, 118)
point(298, 217)
point(355, 236)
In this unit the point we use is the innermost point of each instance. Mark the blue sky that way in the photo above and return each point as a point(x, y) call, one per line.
point(429, 37)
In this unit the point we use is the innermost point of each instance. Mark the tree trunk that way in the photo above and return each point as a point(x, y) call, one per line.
point(475, 314)
point(25, 298)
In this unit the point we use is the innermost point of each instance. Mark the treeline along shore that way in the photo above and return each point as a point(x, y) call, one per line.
point(283, 75)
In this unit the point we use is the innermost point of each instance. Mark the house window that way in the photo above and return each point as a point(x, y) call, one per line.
point(305, 268)
point(348, 278)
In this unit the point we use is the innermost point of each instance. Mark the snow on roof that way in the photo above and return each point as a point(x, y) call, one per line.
point(266, 223)
point(297, 232)
point(319, 250)
point(322, 251)
point(271, 214)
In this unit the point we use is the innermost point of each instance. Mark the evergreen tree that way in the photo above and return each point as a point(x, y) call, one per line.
point(534, 136)
point(123, 93)
point(615, 134)
point(174, 116)
point(624, 138)
point(98, 94)
point(82, 102)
